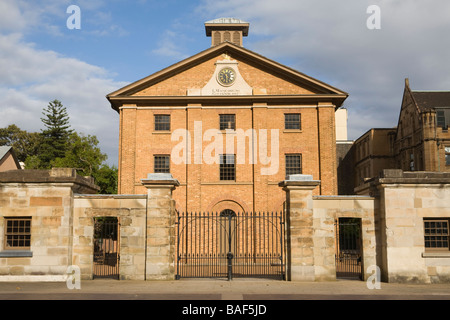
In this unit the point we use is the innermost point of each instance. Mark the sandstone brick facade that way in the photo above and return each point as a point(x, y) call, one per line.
point(45, 197)
point(393, 233)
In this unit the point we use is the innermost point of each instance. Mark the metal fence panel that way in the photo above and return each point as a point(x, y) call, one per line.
point(106, 248)
point(348, 248)
point(230, 245)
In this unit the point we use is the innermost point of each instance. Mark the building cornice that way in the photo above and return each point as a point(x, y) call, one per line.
point(166, 101)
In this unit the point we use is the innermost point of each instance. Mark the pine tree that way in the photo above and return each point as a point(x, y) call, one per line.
point(56, 135)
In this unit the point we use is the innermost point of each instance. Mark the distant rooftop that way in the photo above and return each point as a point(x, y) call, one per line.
point(4, 150)
point(427, 100)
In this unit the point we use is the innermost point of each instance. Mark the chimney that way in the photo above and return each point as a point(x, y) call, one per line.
point(226, 29)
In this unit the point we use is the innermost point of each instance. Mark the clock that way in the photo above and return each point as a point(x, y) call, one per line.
point(226, 76)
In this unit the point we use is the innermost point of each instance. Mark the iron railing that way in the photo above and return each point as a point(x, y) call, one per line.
point(230, 245)
point(106, 248)
point(348, 248)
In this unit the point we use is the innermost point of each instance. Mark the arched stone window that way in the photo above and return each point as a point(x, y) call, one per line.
point(226, 36)
point(217, 38)
point(237, 38)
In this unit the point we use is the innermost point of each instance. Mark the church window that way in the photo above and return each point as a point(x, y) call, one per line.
point(440, 117)
point(447, 156)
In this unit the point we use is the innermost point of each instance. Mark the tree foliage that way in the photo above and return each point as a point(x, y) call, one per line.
point(24, 143)
point(82, 153)
point(56, 135)
point(59, 146)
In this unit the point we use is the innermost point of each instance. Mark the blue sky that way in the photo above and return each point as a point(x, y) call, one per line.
point(123, 41)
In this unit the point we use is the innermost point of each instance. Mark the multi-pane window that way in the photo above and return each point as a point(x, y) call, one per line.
point(162, 122)
point(17, 233)
point(443, 118)
point(436, 234)
point(227, 167)
point(440, 118)
point(227, 121)
point(447, 156)
point(293, 164)
point(292, 121)
point(162, 164)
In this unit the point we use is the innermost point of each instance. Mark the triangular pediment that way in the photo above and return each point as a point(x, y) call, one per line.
point(199, 76)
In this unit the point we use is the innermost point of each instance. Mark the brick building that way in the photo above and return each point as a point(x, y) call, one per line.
point(8, 159)
point(422, 142)
point(372, 152)
point(419, 142)
point(228, 124)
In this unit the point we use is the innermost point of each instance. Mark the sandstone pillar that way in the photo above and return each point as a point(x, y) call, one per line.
point(161, 231)
point(299, 227)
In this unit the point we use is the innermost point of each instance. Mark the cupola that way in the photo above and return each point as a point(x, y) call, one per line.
point(226, 29)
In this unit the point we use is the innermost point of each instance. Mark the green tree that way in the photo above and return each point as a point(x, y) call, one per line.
point(24, 143)
point(59, 146)
point(33, 162)
point(56, 135)
point(83, 154)
point(106, 179)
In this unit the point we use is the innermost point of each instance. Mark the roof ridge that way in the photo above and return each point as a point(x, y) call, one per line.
point(428, 91)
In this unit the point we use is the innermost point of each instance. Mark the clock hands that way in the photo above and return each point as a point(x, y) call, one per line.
point(226, 76)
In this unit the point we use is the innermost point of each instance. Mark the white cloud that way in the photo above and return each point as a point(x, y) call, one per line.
point(49, 17)
point(325, 39)
point(329, 40)
point(11, 18)
point(32, 77)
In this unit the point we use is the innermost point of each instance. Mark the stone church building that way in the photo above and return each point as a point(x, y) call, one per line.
point(228, 124)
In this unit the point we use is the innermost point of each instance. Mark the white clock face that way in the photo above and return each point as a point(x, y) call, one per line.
point(226, 76)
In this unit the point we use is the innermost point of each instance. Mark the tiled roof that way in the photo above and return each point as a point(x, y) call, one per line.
point(3, 151)
point(427, 100)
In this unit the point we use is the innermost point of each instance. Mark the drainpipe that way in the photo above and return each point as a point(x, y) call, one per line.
point(438, 157)
point(437, 143)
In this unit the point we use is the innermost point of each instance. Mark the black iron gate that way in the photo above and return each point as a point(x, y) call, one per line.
point(106, 248)
point(348, 248)
point(230, 245)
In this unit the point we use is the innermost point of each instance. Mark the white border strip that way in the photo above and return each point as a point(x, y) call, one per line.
point(30, 278)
